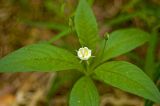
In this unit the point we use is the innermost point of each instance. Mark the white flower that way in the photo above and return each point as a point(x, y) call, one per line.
point(84, 53)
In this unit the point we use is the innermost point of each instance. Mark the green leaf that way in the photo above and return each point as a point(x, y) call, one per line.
point(122, 18)
point(150, 59)
point(129, 78)
point(91, 2)
point(123, 41)
point(39, 57)
point(84, 93)
point(86, 26)
point(60, 35)
point(46, 25)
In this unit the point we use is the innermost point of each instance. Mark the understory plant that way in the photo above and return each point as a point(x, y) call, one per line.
point(148, 14)
point(93, 59)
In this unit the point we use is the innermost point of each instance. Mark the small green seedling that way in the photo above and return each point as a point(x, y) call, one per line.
point(93, 59)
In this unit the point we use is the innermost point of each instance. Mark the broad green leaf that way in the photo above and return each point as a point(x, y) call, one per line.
point(84, 93)
point(128, 77)
point(39, 57)
point(86, 26)
point(122, 41)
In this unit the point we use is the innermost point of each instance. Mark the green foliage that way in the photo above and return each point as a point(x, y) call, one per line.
point(47, 25)
point(39, 57)
point(84, 93)
point(91, 2)
point(69, 78)
point(86, 26)
point(122, 18)
point(60, 35)
point(128, 77)
point(123, 41)
point(150, 56)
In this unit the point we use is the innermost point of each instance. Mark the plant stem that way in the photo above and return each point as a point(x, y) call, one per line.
point(150, 57)
point(150, 67)
point(98, 59)
point(62, 34)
